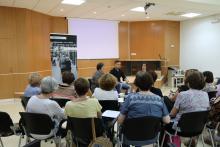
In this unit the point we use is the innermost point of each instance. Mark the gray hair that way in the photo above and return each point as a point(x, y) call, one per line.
point(48, 85)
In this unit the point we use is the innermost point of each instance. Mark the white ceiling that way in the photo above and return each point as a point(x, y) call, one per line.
point(114, 9)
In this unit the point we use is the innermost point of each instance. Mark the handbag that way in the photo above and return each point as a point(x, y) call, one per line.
point(99, 141)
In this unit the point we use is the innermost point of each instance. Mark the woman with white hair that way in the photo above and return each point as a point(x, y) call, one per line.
point(33, 87)
point(42, 104)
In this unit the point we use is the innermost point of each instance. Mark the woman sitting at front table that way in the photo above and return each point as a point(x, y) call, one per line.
point(42, 104)
point(106, 91)
point(143, 103)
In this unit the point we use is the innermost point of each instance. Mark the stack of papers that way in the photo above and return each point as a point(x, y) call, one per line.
point(111, 114)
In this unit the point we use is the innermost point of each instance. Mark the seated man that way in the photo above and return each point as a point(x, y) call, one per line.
point(118, 73)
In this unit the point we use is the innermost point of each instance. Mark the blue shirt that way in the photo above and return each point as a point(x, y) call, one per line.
point(140, 105)
point(30, 91)
point(144, 104)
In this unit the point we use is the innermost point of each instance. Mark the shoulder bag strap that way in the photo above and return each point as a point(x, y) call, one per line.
point(93, 129)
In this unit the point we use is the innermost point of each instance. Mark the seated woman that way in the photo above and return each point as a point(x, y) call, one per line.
point(143, 103)
point(95, 78)
point(66, 89)
point(209, 79)
point(82, 106)
point(34, 85)
point(106, 91)
point(191, 100)
point(153, 89)
point(42, 104)
point(169, 101)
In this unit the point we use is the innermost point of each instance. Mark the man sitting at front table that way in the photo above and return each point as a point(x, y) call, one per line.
point(118, 73)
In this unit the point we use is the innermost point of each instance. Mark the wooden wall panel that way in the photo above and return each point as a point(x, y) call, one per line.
point(147, 39)
point(172, 46)
point(6, 86)
point(24, 48)
point(59, 25)
point(124, 44)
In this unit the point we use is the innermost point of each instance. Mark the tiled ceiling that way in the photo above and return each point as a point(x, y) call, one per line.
point(119, 9)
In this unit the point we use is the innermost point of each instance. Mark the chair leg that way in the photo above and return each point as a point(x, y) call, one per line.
point(211, 137)
point(203, 143)
point(19, 143)
point(163, 139)
point(190, 142)
point(1, 142)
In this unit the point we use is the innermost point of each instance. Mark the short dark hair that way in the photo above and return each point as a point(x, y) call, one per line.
point(209, 78)
point(107, 82)
point(99, 66)
point(81, 86)
point(68, 77)
point(153, 74)
point(195, 80)
point(143, 80)
point(116, 61)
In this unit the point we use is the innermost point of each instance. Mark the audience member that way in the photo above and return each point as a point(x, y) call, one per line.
point(42, 104)
point(107, 83)
point(82, 106)
point(209, 79)
point(95, 78)
point(34, 85)
point(169, 101)
point(143, 103)
point(66, 89)
point(118, 73)
point(191, 100)
point(153, 89)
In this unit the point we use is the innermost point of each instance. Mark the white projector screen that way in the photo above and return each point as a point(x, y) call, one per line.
point(96, 39)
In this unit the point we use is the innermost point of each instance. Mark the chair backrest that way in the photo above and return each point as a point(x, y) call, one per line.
point(212, 94)
point(61, 101)
point(142, 128)
point(35, 123)
point(5, 124)
point(24, 101)
point(81, 128)
point(109, 105)
point(192, 124)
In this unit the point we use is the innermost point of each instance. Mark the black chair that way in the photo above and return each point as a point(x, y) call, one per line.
point(190, 125)
point(39, 124)
point(7, 128)
point(141, 129)
point(24, 101)
point(61, 101)
point(81, 129)
point(212, 94)
point(109, 105)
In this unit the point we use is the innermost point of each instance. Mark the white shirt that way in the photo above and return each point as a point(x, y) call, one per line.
point(46, 106)
point(101, 94)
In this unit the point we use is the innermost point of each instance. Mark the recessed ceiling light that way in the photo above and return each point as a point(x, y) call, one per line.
point(138, 9)
point(122, 15)
point(61, 10)
point(147, 17)
point(190, 15)
point(73, 2)
point(94, 12)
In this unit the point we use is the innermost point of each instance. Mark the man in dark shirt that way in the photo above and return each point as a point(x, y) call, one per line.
point(118, 73)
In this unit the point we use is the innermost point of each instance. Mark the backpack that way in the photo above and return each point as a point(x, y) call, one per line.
point(99, 141)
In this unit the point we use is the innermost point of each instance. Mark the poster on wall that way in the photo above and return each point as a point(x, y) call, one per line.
point(63, 54)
